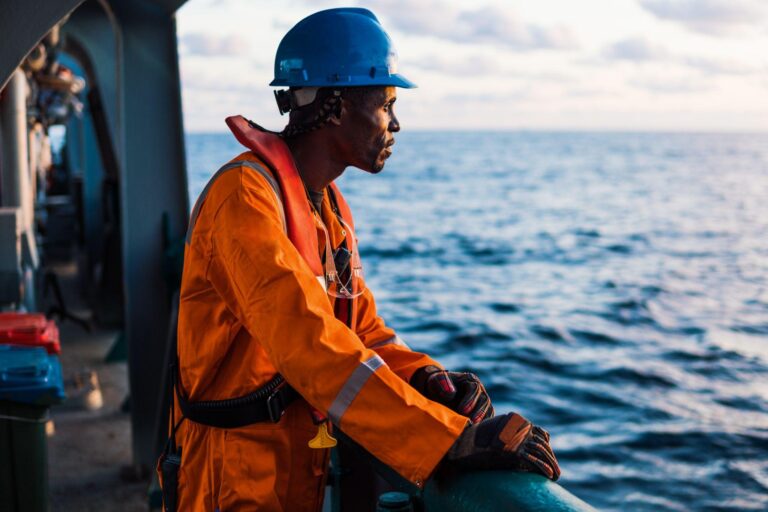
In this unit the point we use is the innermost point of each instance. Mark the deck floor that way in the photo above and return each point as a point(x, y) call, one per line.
point(88, 450)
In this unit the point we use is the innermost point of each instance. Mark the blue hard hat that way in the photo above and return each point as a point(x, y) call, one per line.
point(345, 47)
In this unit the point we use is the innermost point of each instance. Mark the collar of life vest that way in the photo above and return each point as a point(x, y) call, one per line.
point(273, 152)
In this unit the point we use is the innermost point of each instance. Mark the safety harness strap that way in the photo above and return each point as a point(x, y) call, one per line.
point(267, 404)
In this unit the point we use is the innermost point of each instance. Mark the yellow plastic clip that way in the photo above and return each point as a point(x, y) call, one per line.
point(323, 439)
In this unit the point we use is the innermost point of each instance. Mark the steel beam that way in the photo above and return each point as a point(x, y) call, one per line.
point(133, 44)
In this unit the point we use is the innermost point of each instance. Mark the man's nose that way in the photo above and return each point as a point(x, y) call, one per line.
point(394, 124)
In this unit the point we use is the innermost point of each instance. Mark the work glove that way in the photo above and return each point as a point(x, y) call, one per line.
point(504, 442)
point(461, 392)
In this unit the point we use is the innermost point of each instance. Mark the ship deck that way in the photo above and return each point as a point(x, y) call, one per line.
point(90, 456)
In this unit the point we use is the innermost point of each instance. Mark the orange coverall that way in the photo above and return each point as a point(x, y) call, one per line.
point(250, 306)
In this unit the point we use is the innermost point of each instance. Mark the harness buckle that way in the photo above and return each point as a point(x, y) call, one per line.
point(275, 405)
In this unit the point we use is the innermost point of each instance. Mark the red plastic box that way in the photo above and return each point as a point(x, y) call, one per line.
point(29, 329)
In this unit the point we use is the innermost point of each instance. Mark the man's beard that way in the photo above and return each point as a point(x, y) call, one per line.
point(377, 166)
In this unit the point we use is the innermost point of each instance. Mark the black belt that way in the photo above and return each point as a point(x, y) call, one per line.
point(268, 403)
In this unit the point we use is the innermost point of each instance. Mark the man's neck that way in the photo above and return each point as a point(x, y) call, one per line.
point(315, 161)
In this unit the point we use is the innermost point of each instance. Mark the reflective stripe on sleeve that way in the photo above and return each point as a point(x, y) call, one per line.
point(228, 167)
point(394, 340)
point(352, 387)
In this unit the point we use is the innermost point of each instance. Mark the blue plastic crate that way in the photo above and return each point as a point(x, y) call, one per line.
point(29, 375)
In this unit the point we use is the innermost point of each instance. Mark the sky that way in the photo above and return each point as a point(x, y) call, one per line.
point(629, 65)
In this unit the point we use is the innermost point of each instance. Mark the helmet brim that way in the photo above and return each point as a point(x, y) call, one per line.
point(401, 81)
point(394, 80)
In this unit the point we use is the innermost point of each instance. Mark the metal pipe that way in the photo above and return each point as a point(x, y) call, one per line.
point(13, 117)
point(475, 491)
point(16, 178)
point(509, 491)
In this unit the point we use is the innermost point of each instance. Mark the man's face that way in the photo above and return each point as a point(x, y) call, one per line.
point(370, 125)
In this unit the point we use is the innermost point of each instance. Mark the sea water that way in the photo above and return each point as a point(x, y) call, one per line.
point(612, 288)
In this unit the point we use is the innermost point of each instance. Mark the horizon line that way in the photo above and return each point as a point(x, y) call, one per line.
point(688, 131)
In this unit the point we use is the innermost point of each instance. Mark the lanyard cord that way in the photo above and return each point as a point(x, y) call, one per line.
point(334, 209)
point(347, 248)
point(318, 215)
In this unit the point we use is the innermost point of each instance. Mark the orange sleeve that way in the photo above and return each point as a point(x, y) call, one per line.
point(375, 334)
point(265, 282)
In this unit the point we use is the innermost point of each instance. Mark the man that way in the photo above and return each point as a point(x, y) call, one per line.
point(279, 341)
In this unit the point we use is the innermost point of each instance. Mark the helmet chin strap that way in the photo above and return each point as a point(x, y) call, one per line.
point(286, 101)
point(304, 96)
point(292, 99)
point(331, 106)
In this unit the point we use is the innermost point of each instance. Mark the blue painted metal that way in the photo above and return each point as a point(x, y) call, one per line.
point(153, 182)
point(478, 491)
point(394, 501)
point(93, 38)
point(23, 24)
point(496, 491)
point(131, 47)
point(82, 157)
point(338, 48)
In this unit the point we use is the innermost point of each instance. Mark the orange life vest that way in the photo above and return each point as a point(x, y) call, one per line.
point(271, 149)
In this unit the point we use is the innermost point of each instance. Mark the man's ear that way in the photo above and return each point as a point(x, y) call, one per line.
point(339, 112)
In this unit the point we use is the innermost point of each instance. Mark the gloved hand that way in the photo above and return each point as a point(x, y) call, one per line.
point(504, 442)
point(461, 392)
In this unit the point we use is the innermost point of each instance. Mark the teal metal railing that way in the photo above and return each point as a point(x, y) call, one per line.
point(476, 491)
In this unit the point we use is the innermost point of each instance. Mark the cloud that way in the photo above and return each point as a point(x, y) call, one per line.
point(449, 64)
point(488, 98)
point(582, 92)
point(671, 86)
point(636, 49)
point(641, 50)
point(494, 24)
point(479, 64)
point(209, 45)
point(712, 17)
point(710, 66)
point(202, 77)
point(491, 24)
